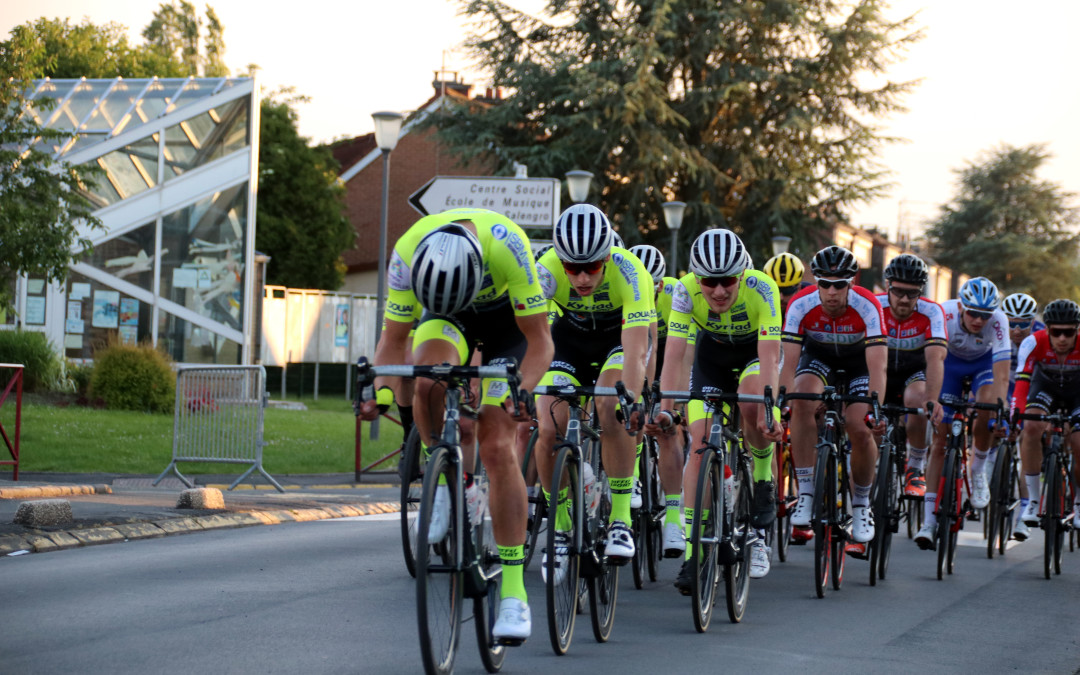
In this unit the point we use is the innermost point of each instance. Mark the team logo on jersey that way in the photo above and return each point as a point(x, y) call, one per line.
point(547, 281)
point(397, 275)
point(497, 389)
point(751, 282)
point(521, 253)
point(680, 300)
point(451, 332)
point(561, 380)
point(617, 258)
point(499, 231)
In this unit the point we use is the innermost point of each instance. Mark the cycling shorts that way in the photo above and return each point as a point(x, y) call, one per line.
point(580, 357)
point(1050, 396)
point(897, 383)
point(719, 368)
point(981, 372)
point(855, 375)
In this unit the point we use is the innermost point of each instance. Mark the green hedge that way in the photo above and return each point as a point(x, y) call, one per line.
point(130, 377)
point(43, 366)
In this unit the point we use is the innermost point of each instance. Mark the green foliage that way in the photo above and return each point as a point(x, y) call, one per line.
point(134, 377)
point(1011, 227)
point(301, 208)
point(175, 34)
point(32, 349)
point(39, 198)
point(757, 114)
point(79, 376)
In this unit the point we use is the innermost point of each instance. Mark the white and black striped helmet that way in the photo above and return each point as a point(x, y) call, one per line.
point(652, 259)
point(616, 240)
point(582, 234)
point(718, 253)
point(447, 270)
point(1020, 306)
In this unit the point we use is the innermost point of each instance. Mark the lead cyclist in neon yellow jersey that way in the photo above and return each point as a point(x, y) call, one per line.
point(737, 313)
point(603, 335)
point(473, 272)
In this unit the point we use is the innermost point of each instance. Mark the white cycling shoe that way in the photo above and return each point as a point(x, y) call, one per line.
point(674, 541)
point(759, 559)
point(440, 515)
point(619, 546)
point(635, 495)
point(514, 624)
point(803, 511)
point(924, 539)
point(980, 490)
point(862, 524)
point(1031, 512)
point(562, 558)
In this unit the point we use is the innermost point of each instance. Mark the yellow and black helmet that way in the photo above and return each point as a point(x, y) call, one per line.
point(785, 269)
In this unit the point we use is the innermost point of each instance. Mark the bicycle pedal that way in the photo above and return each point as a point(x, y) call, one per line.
point(509, 642)
point(616, 560)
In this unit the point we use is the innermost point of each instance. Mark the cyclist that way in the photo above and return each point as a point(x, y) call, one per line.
point(737, 316)
point(671, 452)
point(472, 272)
point(1048, 378)
point(837, 326)
point(1020, 308)
point(603, 335)
point(787, 271)
point(979, 349)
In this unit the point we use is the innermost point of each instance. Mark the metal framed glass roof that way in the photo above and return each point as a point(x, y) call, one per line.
point(96, 110)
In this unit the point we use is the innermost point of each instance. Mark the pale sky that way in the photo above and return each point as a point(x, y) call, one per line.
point(993, 72)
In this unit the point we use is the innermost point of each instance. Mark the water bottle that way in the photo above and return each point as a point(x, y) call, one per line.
point(729, 489)
point(592, 490)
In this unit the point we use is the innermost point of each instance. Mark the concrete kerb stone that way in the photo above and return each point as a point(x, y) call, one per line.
point(39, 542)
point(44, 513)
point(46, 491)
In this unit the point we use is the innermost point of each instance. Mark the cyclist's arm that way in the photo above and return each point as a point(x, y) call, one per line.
point(792, 353)
point(650, 369)
point(935, 375)
point(539, 351)
point(635, 341)
point(877, 358)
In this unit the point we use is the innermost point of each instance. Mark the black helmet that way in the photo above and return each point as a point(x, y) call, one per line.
point(908, 269)
point(1061, 311)
point(834, 261)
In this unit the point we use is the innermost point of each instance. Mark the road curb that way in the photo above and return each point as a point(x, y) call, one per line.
point(37, 491)
point(40, 542)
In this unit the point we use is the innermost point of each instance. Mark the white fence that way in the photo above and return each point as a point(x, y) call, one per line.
point(308, 326)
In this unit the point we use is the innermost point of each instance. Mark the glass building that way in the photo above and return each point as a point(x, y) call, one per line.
point(174, 264)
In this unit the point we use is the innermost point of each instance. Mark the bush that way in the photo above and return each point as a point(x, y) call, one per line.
point(32, 349)
point(130, 377)
point(78, 376)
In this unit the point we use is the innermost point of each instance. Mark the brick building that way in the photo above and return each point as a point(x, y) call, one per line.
point(418, 158)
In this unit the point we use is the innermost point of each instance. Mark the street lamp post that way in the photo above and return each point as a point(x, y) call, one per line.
point(673, 215)
point(780, 244)
point(577, 184)
point(387, 128)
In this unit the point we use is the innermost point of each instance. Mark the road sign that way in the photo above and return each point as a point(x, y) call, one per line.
point(529, 202)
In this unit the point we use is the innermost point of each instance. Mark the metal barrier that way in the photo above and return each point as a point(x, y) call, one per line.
point(15, 382)
point(219, 418)
point(359, 467)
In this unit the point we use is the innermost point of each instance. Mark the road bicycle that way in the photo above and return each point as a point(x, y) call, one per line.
point(721, 535)
point(537, 502)
point(1058, 490)
point(578, 469)
point(648, 519)
point(831, 514)
point(1004, 498)
point(787, 497)
point(465, 562)
point(411, 472)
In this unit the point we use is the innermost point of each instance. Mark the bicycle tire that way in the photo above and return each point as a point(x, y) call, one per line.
point(843, 511)
point(411, 473)
point(823, 515)
point(737, 575)
point(788, 488)
point(439, 587)
point(1007, 514)
point(944, 512)
point(884, 500)
point(604, 587)
point(655, 539)
point(705, 533)
point(562, 597)
point(537, 504)
point(997, 503)
point(640, 516)
point(1052, 517)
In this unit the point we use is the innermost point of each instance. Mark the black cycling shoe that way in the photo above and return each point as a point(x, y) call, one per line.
point(684, 582)
point(764, 512)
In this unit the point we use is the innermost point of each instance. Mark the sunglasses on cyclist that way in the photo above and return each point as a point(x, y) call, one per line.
point(839, 283)
point(573, 269)
point(910, 293)
point(1062, 332)
point(1022, 325)
point(713, 282)
point(975, 314)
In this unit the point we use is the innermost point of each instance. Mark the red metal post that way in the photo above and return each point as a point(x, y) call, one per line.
point(13, 447)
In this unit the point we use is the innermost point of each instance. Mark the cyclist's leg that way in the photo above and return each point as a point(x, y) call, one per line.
point(699, 426)
point(760, 448)
point(810, 377)
point(1040, 400)
point(619, 453)
point(864, 455)
point(981, 431)
point(951, 387)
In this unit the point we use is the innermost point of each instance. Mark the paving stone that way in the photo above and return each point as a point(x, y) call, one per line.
point(44, 513)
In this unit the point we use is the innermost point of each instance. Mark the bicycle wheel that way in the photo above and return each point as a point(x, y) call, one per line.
point(788, 491)
point(412, 483)
point(604, 587)
point(999, 500)
point(1011, 495)
point(640, 517)
point(439, 586)
point(705, 533)
point(537, 504)
point(884, 499)
point(485, 610)
point(823, 514)
point(1053, 507)
point(562, 590)
point(737, 574)
point(946, 508)
point(843, 515)
point(654, 539)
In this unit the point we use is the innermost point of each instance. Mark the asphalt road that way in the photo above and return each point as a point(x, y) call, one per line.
point(333, 596)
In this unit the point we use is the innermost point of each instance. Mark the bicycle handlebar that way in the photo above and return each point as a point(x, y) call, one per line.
point(366, 374)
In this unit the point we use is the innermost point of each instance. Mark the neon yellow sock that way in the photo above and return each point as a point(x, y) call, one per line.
point(620, 499)
point(637, 462)
point(513, 573)
point(688, 526)
point(563, 522)
point(762, 462)
point(671, 512)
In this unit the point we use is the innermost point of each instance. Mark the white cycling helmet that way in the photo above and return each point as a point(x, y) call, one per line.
point(582, 234)
point(980, 294)
point(652, 259)
point(718, 253)
point(447, 270)
point(1019, 306)
point(616, 240)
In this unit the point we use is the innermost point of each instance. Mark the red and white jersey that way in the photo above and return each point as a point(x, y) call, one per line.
point(994, 336)
point(1038, 360)
point(908, 338)
point(849, 334)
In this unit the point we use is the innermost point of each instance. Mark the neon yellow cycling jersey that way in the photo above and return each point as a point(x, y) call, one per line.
point(663, 305)
point(508, 264)
point(623, 298)
point(754, 316)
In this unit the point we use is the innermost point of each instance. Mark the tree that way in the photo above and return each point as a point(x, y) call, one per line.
point(175, 32)
point(301, 207)
point(1011, 227)
point(40, 202)
point(754, 113)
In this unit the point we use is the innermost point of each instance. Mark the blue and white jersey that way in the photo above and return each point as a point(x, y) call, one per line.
point(992, 339)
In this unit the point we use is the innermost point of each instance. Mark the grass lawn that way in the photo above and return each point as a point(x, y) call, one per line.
point(77, 439)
